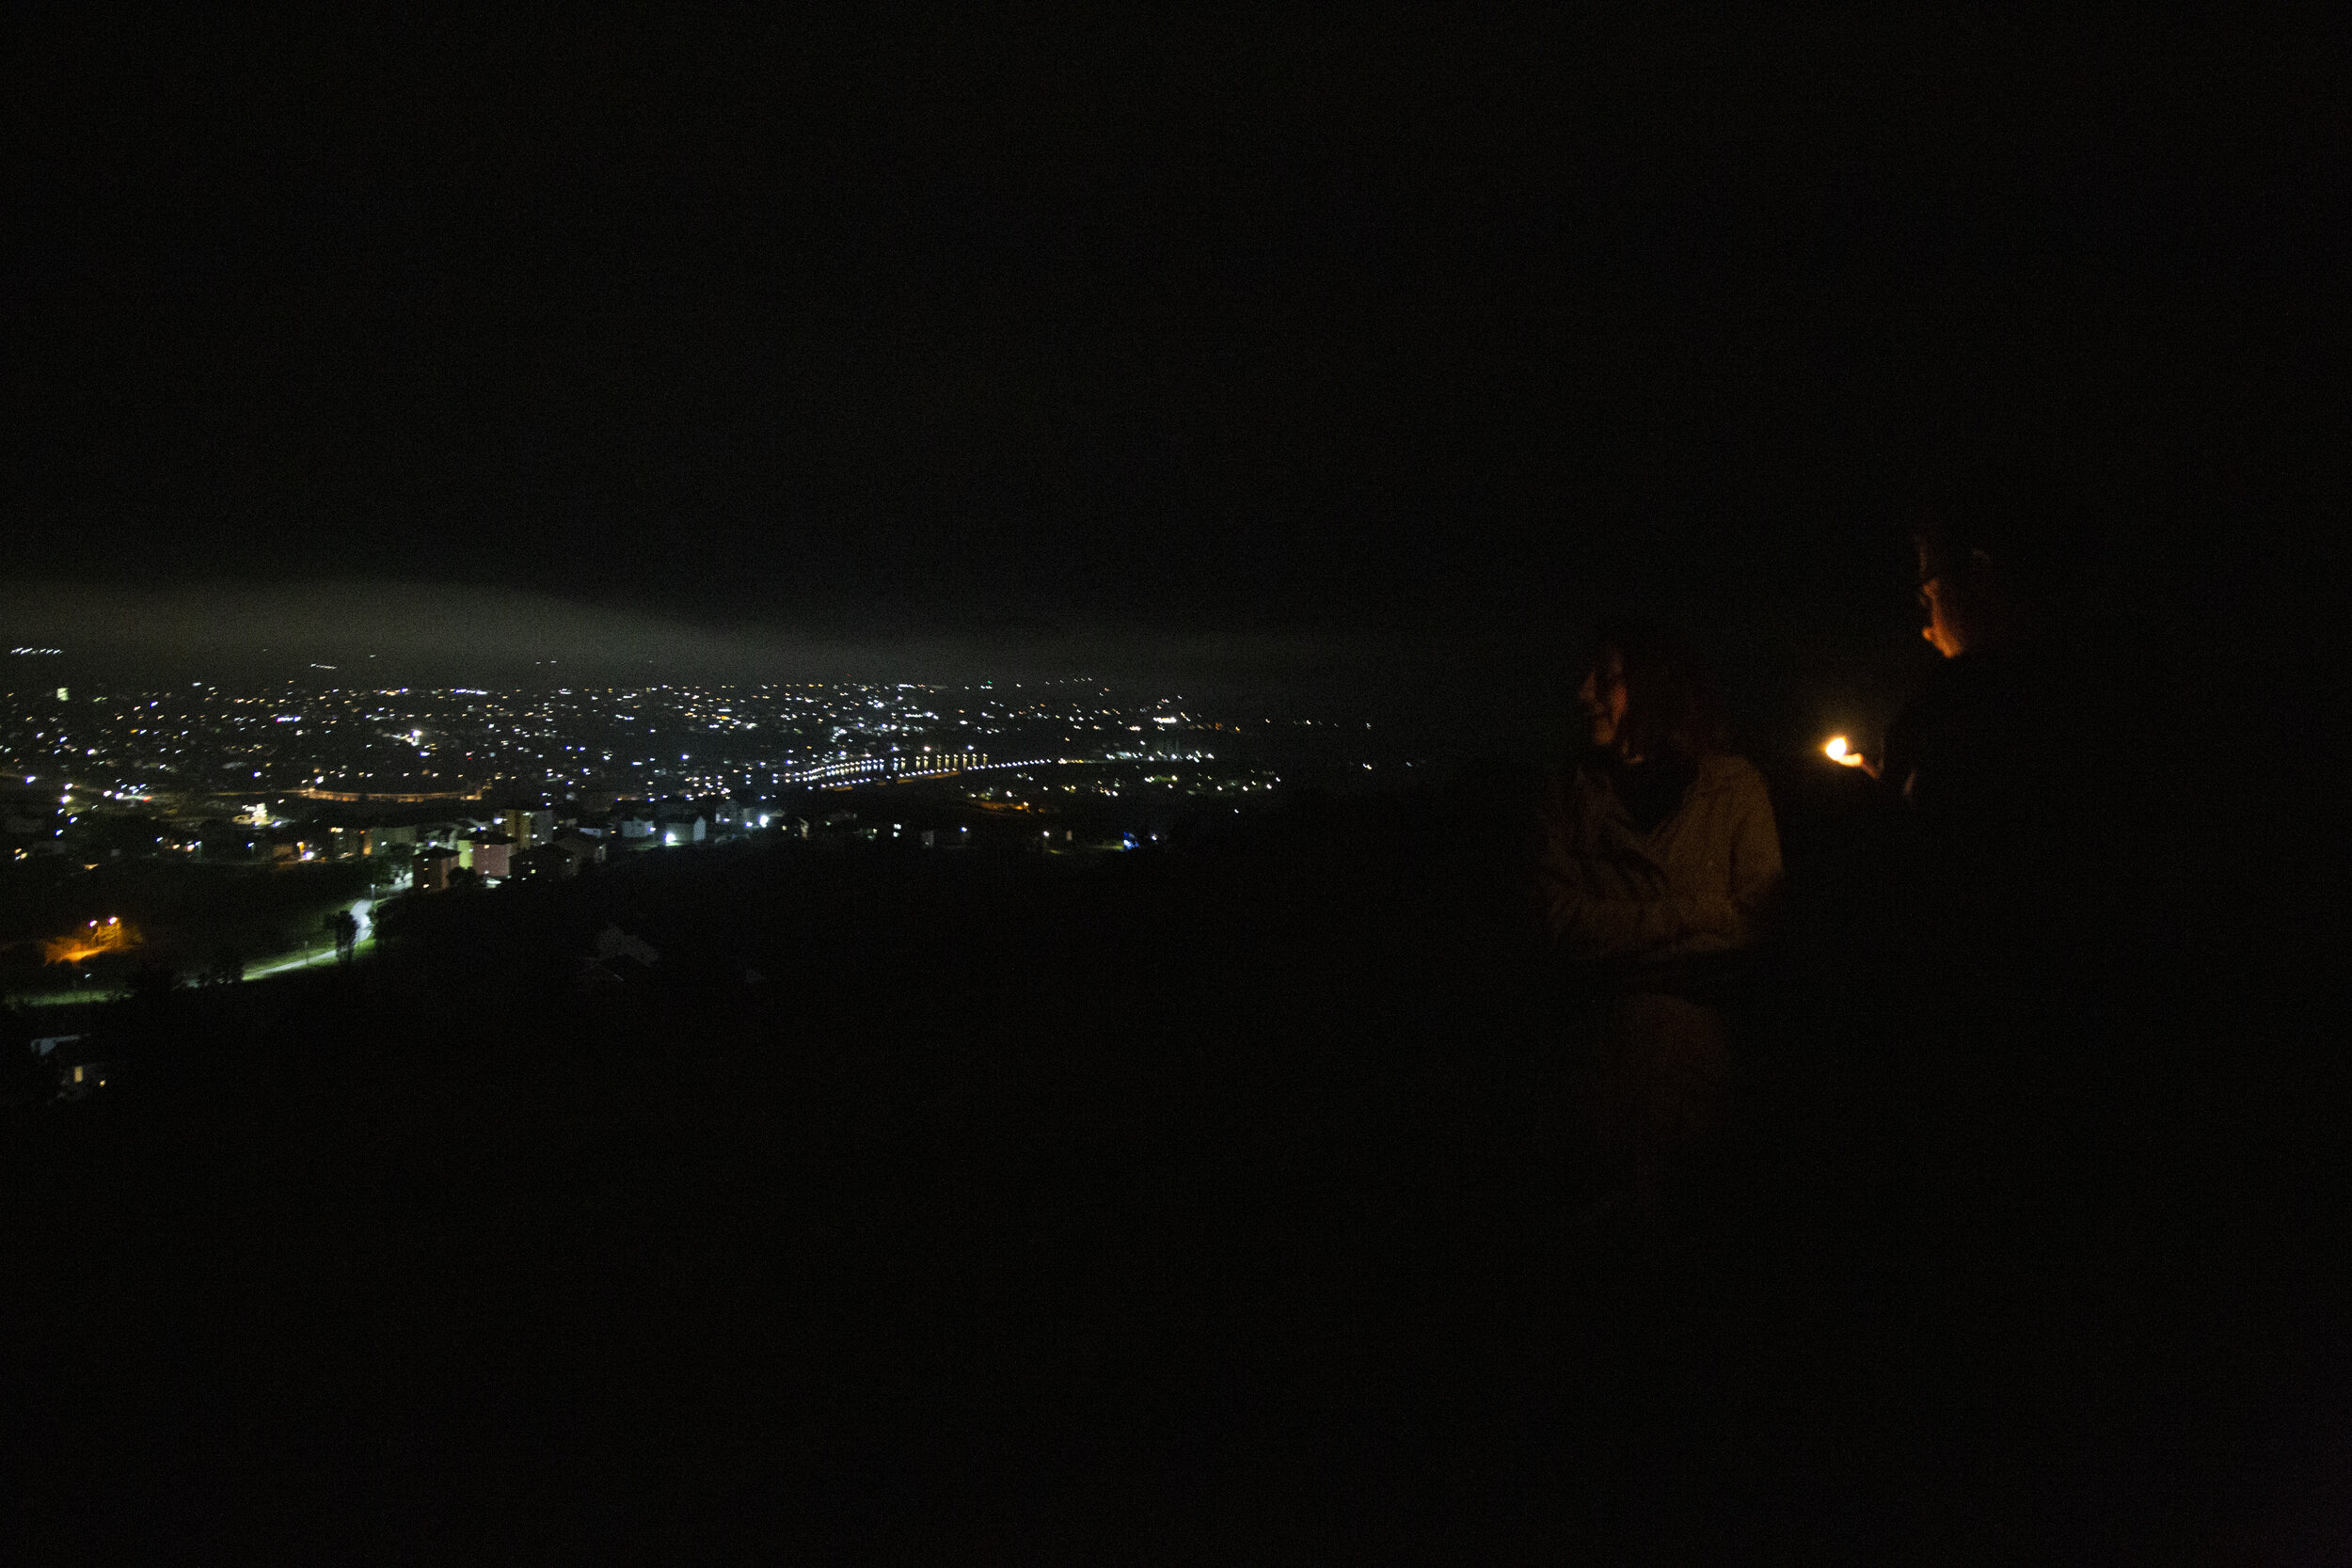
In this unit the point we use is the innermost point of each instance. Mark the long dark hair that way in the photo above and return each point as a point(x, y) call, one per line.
point(1673, 708)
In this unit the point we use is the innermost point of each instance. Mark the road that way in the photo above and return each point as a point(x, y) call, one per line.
point(309, 957)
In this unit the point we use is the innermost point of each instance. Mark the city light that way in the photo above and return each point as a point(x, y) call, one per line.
point(113, 935)
point(295, 773)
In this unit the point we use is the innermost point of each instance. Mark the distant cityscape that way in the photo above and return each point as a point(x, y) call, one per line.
point(306, 772)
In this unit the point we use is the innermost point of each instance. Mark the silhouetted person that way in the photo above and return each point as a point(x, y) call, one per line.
point(2038, 877)
point(2043, 716)
point(2081, 1132)
point(1659, 863)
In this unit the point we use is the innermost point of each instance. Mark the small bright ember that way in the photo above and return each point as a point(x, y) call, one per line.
point(1840, 753)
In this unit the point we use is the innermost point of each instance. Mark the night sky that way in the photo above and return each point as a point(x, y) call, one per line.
point(1177, 347)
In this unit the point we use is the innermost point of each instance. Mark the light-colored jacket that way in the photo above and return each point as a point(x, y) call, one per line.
point(1703, 881)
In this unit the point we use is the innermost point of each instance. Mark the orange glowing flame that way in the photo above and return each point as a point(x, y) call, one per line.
point(1840, 753)
point(98, 936)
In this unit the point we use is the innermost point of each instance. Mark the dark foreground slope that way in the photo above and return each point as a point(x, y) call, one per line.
point(1182, 1207)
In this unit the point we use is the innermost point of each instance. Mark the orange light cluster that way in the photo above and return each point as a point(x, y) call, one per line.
point(98, 936)
point(1840, 753)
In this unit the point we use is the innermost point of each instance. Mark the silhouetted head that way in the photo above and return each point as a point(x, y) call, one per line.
point(1998, 552)
point(1647, 696)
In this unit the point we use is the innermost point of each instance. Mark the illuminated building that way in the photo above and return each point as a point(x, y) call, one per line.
point(493, 855)
point(432, 869)
point(528, 827)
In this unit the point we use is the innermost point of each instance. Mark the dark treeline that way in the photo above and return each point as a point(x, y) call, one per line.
point(1194, 1200)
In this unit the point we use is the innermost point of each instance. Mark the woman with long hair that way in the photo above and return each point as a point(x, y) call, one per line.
point(1659, 863)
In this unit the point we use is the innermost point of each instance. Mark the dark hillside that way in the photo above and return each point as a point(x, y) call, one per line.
point(954, 1206)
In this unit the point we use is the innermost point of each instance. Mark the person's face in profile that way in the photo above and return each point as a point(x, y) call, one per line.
point(1602, 697)
point(1942, 630)
point(1949, 603)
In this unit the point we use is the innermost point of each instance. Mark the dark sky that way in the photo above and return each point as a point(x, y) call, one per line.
point(1426, 338)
